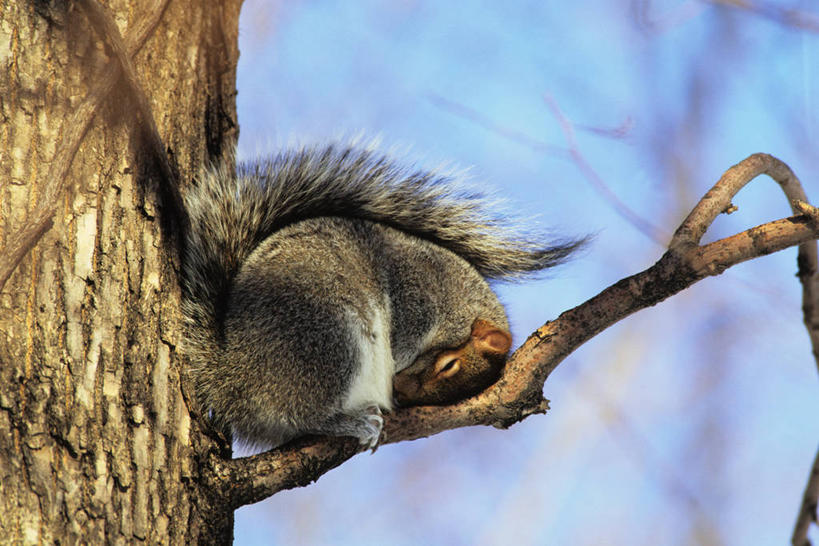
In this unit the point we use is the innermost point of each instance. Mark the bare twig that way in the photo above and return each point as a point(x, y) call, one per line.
point(519, 393)
point(39, 220)
point(807, 512)
point(572, 153)
point(716, 257)
point(788, 17)
point(481, 120)
point(617, 133)
point(718, 198)
point(684, 11)
point(644, 226)
point(681, 12)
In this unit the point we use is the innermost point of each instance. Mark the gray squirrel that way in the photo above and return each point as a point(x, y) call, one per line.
point(317, 281)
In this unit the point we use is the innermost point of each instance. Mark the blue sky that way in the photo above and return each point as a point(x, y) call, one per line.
point(693, 422)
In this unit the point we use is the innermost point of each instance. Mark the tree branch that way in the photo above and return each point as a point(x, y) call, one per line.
point(807, 512)
point(297, 464)
point(519, 392)
point(789, 17)
point(599, 185)
point(718, 198)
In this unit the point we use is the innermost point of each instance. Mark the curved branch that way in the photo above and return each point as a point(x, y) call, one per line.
point(518, 393)
point(718, 198)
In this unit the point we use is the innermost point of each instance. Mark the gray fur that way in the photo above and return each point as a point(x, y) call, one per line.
point(295, 266)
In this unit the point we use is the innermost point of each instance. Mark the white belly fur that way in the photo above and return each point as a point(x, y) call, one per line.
point(372, 385)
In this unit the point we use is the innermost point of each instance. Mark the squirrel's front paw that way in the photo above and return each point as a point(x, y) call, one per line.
point(371, 424)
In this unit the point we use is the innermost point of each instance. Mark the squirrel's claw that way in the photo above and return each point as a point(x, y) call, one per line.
point(372, 423)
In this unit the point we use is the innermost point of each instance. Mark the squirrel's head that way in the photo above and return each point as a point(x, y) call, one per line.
point(458, 373)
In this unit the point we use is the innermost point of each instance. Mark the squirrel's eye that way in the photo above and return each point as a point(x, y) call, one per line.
point(449, 365)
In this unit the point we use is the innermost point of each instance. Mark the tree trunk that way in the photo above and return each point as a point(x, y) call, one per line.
point(98, 442)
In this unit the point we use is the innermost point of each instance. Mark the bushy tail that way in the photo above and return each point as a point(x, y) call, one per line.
point(230, 215)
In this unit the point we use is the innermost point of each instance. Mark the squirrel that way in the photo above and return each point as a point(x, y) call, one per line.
point(323, 285)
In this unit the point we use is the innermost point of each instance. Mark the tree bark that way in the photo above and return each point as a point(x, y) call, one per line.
point(98, 442)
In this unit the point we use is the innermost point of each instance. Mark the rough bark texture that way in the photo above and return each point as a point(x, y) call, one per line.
point(97, 443)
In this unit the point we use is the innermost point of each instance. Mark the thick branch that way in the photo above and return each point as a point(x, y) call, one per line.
point(518, 393)
point(299, 463)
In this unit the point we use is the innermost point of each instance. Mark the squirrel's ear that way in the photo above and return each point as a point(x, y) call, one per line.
point(489, 338)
